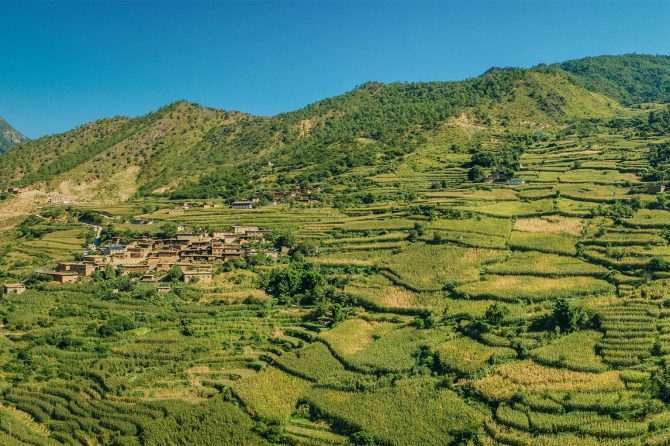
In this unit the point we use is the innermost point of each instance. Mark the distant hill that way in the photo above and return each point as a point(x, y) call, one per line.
point(9, 136)
point(630, 79)
point(186, 150)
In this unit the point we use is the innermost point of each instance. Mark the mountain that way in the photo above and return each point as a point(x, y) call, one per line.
point(630, 79)
point(186, 150)
point(9, 136)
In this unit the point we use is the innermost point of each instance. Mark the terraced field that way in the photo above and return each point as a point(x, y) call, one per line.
point(442, 311)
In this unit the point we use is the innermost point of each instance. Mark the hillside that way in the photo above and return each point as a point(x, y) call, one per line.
point(630, 79)
point(9, 136)
point(185, 150)
point(483, 263)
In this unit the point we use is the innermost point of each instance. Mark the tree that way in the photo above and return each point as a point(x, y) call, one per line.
point(168, 230)
point(363, 438)
point(175, 274)
point(301, 282)
point(570, 317)
point(660, 381)
point(496, 313)
point(477, 174)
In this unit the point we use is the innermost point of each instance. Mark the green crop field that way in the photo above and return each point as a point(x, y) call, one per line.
point(477, 263)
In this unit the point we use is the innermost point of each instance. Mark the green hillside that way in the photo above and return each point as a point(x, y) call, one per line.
point(186, 150)
point(630, 79)
point(475, 263)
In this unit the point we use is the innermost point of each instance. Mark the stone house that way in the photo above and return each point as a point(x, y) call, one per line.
point(13, 288)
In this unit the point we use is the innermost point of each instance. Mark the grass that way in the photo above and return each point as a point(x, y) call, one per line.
point(272, 395)
point(533, 289)
point(412, 411)
point(380, 292)
point(551, 224)
point(313, 362)
point(576, 351)
point(468, 357)
point(532, 263)
point(597, 176)
point(530, 376)
point(647, 218)
point(430, 267)
point(544, 242)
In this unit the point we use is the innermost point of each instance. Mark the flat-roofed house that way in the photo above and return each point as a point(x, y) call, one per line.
point(113, 249)
point(13, 288)
point(245, 229)
point(133, 268)
point(82, 269)
point(244, 204)
point(94, 259)
point(150, 278)
point(654, 189)
point(60, 276)
point(197, 276)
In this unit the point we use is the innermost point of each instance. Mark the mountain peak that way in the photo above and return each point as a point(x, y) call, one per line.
point(9, 136)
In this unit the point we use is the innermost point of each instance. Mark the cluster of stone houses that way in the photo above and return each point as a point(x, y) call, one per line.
point(194, 254)
point(301, 194)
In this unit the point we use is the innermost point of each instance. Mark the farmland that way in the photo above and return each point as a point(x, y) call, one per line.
point(412, 302)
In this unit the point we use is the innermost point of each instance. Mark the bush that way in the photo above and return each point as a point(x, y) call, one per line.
point(115, 325)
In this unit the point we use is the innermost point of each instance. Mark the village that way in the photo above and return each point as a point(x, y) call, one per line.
point(151, 258)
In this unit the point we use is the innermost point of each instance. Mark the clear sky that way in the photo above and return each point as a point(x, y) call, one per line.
point(66, 63)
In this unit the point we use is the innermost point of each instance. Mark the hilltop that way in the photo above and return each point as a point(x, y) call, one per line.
point(185, 150)
point(9, 136)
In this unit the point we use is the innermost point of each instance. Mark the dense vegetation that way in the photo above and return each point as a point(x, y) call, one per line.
point(421, 297)
point(630, 79)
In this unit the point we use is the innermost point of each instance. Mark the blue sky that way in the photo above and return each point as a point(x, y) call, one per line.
point(67, 63)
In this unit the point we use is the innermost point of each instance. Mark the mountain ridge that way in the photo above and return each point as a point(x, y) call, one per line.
point(186, 150)
point(9, 136)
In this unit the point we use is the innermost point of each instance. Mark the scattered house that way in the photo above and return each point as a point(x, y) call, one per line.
point(149, 278)
point(162, 289)
point(133, 268)
point(13, 288)
point(242, 204)
point(14, 190)
point(141, 221)
point(60, 276)
point(114, 249)
point(515, 182)
point(208, 205)
point(82, 269)
point(245, 230)
point(197, 276)
point(192, 237)
point(94, 259)
point(654, 189)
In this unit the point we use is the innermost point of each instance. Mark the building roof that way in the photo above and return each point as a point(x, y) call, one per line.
point(14, 285)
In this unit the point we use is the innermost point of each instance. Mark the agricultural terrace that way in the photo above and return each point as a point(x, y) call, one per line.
point(409, 305)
